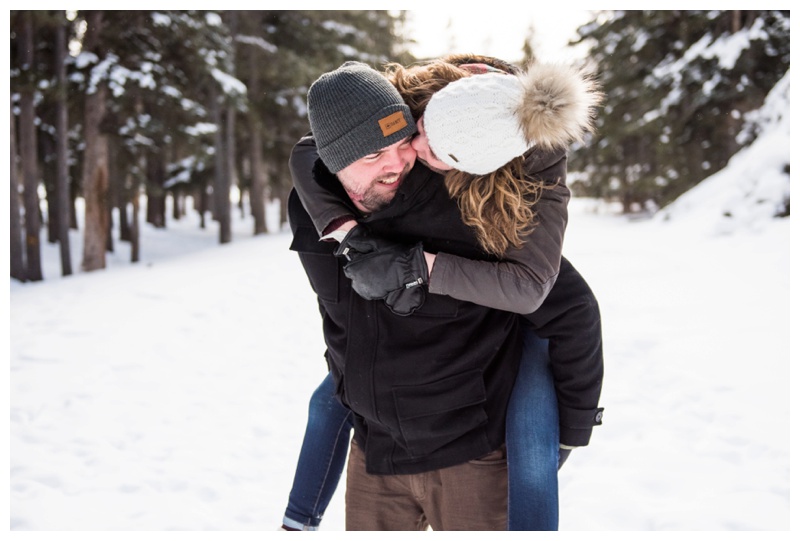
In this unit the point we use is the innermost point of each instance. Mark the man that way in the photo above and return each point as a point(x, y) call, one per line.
point(429, 388)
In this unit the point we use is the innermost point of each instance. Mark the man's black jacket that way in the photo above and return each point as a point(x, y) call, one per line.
point(429, 390)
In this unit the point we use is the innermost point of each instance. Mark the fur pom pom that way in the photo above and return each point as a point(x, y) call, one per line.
point(558, 104)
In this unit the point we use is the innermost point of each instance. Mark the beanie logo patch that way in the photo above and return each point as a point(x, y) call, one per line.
point(392, 123)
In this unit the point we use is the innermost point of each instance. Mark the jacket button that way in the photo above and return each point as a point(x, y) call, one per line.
point(599, 417)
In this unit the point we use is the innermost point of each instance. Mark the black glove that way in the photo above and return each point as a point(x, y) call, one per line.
point(405, 301)
point(563, 455)
point(381, 269)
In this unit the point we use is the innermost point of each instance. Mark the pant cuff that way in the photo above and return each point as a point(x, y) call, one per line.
point(299, 525)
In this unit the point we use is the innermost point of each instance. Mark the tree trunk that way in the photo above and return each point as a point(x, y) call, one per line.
point(30, 176)
point(17, 253)
point(62, 165)
point(258, 170)
point(49, 178)
point(156, 197)
point(219, 154)
point(73, 208)
point(202, 203)
point(95, 162)
point(736, 21)
point(231, 177)
point(283, 197)
point(177, 204)
point(95, 183)
point(258, 177)
point(221, 179)
point(134, 227)
point(124, 223)
point(228, 177)
point(113, 192)
point(244, 193)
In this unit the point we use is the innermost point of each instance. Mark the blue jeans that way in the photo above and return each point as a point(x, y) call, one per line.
point(531, 439)
point(322, 458)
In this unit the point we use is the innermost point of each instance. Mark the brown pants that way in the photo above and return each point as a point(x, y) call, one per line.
point(470, 496)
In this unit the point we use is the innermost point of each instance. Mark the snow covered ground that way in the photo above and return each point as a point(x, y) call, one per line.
point(171, 394)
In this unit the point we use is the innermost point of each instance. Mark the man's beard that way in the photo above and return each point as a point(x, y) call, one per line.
point(373, 202)
point(374, 199)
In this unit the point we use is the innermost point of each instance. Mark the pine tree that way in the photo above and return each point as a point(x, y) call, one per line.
point(164, 69)
point(676, 97)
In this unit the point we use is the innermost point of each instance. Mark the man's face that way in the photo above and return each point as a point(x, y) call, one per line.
point(372, 181)
point(424, 152)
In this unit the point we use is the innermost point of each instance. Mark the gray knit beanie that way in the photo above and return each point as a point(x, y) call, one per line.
point(355, 111)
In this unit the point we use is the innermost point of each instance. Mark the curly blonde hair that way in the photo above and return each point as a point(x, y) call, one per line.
point(498, 205)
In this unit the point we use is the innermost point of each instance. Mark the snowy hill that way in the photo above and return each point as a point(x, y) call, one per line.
point(754, 187)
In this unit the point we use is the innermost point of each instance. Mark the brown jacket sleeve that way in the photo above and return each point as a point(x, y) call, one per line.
point(526, 275)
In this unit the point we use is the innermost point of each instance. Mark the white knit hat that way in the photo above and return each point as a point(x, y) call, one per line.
point(471, 123)
point(480, 123)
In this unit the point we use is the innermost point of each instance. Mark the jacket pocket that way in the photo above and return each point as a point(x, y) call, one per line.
point(435, 414)
point(321, 266)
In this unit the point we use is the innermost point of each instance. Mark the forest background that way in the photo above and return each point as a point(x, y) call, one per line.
point(125, 109)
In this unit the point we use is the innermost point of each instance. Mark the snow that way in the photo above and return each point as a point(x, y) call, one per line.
point(171, 394)
point(230, 85)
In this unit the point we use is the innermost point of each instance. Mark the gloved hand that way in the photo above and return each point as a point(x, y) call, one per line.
point(405, 301)
point(387, 270)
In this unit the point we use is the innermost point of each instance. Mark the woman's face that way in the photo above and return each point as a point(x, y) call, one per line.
point(424, 152)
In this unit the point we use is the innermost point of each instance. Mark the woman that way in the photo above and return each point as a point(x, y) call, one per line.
point(505, 197)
